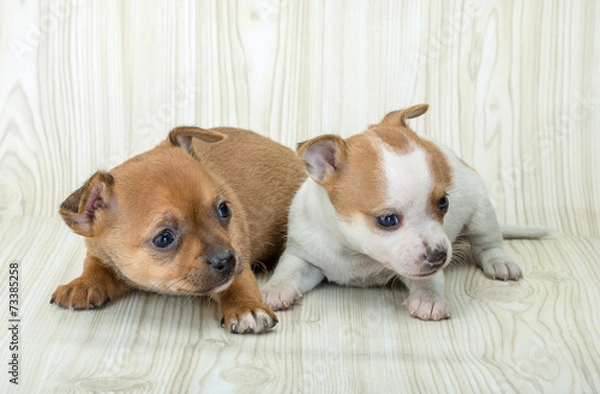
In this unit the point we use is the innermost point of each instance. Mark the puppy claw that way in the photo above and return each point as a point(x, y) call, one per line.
point(279, 296)
point(78, 295)
point(266, 322)
point(252, 321)
point(428, 309)
point(502, 270)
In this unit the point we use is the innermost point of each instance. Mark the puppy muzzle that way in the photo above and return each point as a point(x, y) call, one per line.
point(432, 261)
point(218, 270)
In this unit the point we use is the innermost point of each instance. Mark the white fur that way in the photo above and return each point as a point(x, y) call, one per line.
point(349, 252)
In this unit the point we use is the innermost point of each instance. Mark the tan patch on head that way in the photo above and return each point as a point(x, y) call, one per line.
point(361, 184)
point(438, 163)
point(403, 140)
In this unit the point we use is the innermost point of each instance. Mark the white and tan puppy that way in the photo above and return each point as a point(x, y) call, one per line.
point(387, 203)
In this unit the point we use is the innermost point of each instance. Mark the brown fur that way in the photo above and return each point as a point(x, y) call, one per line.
point(178, 186)
point(265, 180)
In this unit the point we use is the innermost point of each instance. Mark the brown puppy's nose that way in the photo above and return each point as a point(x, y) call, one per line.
point(436, 256)
point(223, 261)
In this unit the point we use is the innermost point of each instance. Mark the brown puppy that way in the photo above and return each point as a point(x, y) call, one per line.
point(187, 217)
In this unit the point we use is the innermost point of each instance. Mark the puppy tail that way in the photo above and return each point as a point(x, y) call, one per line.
point(524, 232)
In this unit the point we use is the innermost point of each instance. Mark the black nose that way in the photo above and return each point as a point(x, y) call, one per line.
point(223, 261)
point(436, 256)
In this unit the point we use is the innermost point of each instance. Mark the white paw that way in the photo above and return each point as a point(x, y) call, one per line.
point(427, 306)
point(501, 268)
point(251, 322)
point(279, 296)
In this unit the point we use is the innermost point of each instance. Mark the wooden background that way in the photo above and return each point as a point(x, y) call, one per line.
point(514, 88)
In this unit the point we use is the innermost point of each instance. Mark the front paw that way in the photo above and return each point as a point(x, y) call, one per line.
point(279, 296)
point(251, 318)
point(81, 294)
point(502, 268)
point(428, 307)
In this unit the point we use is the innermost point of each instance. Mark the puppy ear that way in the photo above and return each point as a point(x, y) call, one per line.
point(82, 209)
point(182, 136)
point(398, 118)
point(323, 156)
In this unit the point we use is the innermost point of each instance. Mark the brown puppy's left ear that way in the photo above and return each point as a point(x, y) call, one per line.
point(398, 118)
point(323, 156)
point(82, 210)
point(182, 136)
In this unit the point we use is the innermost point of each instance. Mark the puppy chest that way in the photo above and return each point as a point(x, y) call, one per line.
point(352, 269)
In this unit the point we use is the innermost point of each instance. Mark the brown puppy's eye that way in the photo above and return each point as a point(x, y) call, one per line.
point(164, 239)
point(443, 204)
point(223, 210)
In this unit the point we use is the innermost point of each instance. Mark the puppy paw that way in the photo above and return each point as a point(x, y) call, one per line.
point(250, 319)
point(279, 296)
point(428, 307)
point(81, 294)
point(502, 269)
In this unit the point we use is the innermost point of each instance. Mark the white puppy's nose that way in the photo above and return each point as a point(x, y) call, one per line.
point(436, 256)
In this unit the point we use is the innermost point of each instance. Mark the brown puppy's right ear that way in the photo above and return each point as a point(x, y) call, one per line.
point(323, 156)
point(83, 209)
point(182, 136)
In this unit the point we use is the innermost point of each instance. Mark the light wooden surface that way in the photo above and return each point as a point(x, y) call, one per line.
point(536, 335)
point(514, 88)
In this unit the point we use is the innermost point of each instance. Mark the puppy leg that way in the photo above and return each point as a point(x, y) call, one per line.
point(486, 245)
point(242, 306)
point(426, 299)
point(96, 286)
point(292, 278)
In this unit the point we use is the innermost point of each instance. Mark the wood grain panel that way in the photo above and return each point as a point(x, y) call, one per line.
point(511, 87)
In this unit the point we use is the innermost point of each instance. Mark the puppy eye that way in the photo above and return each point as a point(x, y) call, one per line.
point(164, 239)
point(223, 210)
point(388, 221)
point(443, 203)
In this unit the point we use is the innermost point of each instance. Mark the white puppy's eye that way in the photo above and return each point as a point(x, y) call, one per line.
point(443, 203)
point(388, 221)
